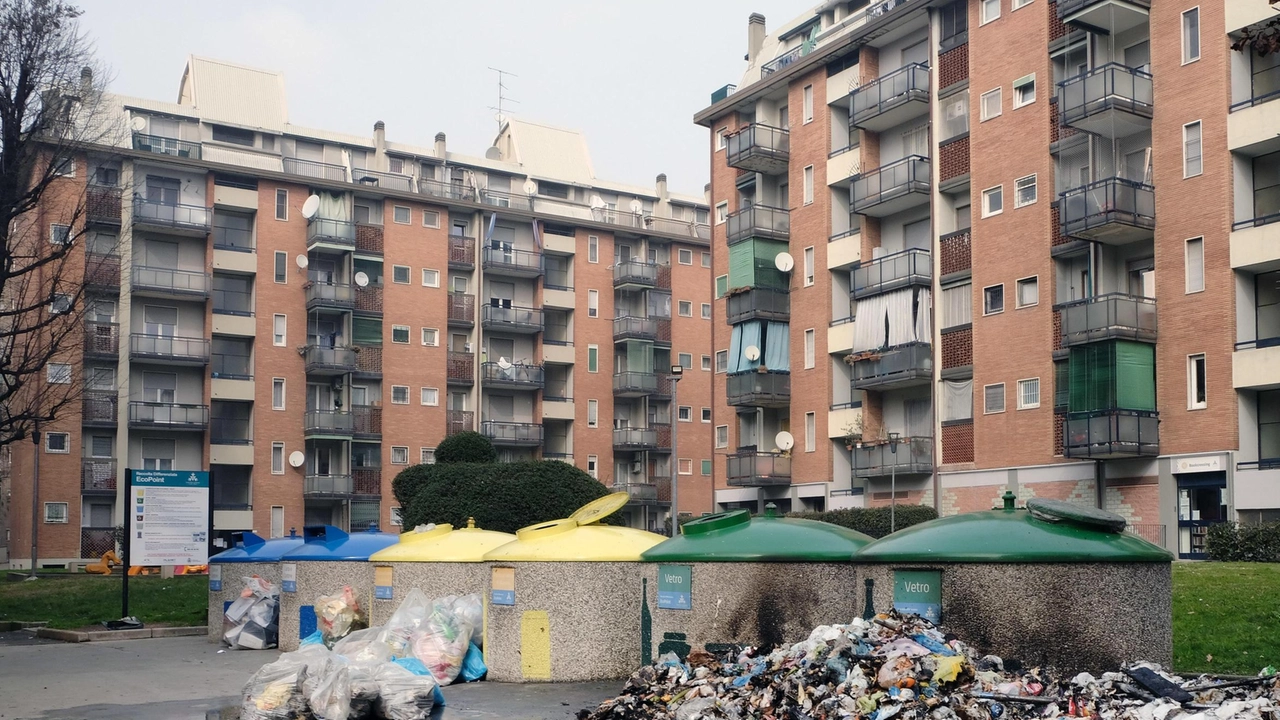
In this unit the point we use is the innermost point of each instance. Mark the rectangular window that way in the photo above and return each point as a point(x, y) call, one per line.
point(55, 512)
point(1029, 394)
point(722, 212)
point(991, 104)
point(685, 308)
point(990, 10)
point(685, 466)
point(427, 456)
point(722, 361)
point(684, 257)
point(277, 393)
point(1192, 153)
point(400, 334)
point(686, 360)
point(1020, 3)
point(722, 436)
point(431, 337)
point(957, 305)
point(706, 363)
point(57, 442)
point(706, 311)
point(993, 398)
point(809, 268)
point(722, 286)
point(277, 458)
point(706, 415)
point(808, 348)
point(399, 455)
point(430, 278)
point(279, 329)
point(706, 259)
point(400, 274)
point(430, 219)
point(1028, 292)
point(1024, 191)
point(993, 299)
point(282, 264)
point(430, 396)
point(1024, 91)
point(722, 138)
point(993, 201)
point(810, 432)
point(706, 468)
point(1195, 265)
point(58, 373)
point(1197, 383)
point(685, 413)
point(282, 204)
point(401, 215)
point(277, 521)
point(593, 466)
point(593, 413)
point(593, 303)
point(1191, 35)
point(61, 304)
point(593, 358)
point(59, 234)
point(807, 103)
point(593, 249)
point(399, 394)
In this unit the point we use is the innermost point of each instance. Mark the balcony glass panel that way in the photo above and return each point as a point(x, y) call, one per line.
point(166, 146)
point(332, 232)
point(168, 347)
point(759, 148)
point(172, 415)
point(327, 485)
point(894, 367)
point(1111, 433)
point(448, 189)
point(1103, 89)
point(182, 217)
point(637, 438)
point(512, 433)
point(1091, 210)
point(635, 328)
point(907, 84)
point(759, 304)
point(914, 456)
point(514, 375)
point(888, 189)
point(328, 422)
point(515, 318)
point(760, 389)
point(759, 221)
point(635, 383)
point(635, 272)
point(1109, 316)
point(913, 266)
point(168, 280)
point(317, 358)
point(326, 294)
point(758, 469)
point(500, 257)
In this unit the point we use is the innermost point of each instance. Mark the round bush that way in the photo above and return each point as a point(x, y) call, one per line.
point(466, 447)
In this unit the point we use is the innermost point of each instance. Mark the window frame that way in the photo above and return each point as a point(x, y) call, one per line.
point(680, 465)
point(593, 303)
point(706, 311)
point(1025, 382)
point(707, 467)
point(281, 269)
point(810, 348)
point(1022, 82)
point(422, 396)
point(1187, 59)
point(593, 249)
point(1017, 292)
point(433, 343)
point(283, 383)
point(706, 363)
point(717, 366)
point(436, 284)
point(593, 358)
point(1186, 158)
point(395, 389)
point(706, 259)
point(407, 209)
point(719, 444)
point(808, 181)
point(681, 254)
point(593, 466)
point(722, 138)
point(987, 193)
point(408, 274)
point(705, 415)
point(985, 311)
point(66, 443)
point(806, 105)
point(722, 212)
point(282, 202)
point(685, 360)
point(54, 229)
point(283, 340)
point(398, 328)
point(684, 413)
point(982, 104)
point(391, 456)
point(680, 306)
point(982, 12)
point(431, 213)
point(810, 432)
point(1192, 402)
point(1186, 265)
point(277, 445)
point(426, 456)
point(593, 413)
point(1004, 400)
point(1035, 189)
point(810, 266)
point(66, 513)
point(63, 370)
point(722, 286)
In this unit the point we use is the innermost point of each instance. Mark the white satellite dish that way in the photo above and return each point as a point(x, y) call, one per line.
point(296, 458)
point(530, 187)
point(636, 207)
point(504, 363)
point(138, 124)
point(597, 201)
point(752, 353)
point(784, 262)
point(784, 441)
point(362, 279)
point(302, 261)
point(311, 206)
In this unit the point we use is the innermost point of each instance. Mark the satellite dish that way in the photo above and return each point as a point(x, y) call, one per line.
point(636, 207)
point(784, 441)
point(296, 458)
point(752, 353)
point(504, 363)
point(311, 206)
point(596, 201)
point(530, 187)
point(784, 262)
point(362, 279)
point(139, 124)
point(302, 261)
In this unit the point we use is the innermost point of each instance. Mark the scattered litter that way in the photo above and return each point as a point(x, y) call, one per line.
point(252, 621)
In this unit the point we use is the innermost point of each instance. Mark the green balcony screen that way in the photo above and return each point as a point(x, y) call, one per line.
point(1117, 374)
point(751, 264)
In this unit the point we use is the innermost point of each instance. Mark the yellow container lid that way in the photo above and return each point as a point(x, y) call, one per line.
point(441, 543)
point(567, 541)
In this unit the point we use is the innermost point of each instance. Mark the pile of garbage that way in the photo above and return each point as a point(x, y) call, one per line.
point(346, 671)
point(904, 667)
point(252, 621)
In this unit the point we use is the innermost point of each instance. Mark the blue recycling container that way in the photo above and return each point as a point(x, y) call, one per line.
point(251, 555)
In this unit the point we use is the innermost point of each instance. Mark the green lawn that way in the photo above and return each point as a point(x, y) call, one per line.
point(85, 600)
point(1228, 612)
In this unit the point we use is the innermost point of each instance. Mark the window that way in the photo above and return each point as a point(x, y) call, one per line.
point(722, 361)
point(593, 303)
point(1028, 292)
point(808, 348)
point(1028, 394)
point(990, 10)
point(685, 308)
point(238, 136)
point(399, 394)
point(1191, 35)
point(810, 432)
point(158, 454)
point(685, 413)
point(993, 299)
point(279, 329)
point(722, 138)
point(430, 278)
point(401, 215)
point(706, 363)
point(593, 413)
point(722, 212)
point(400, 334)
point(807, 104)
point(430, 219)
point(593, 466)
point(1024, 91)
point(59, 234)
point(955, 23)
point(430, 337)
point(277, 458)
point(991, 104)
point(1192, 155)
point(282, 261)
point(399, 455)
point(957, 305)
point(706, 468)
point(685, 466)
point(1024, 191)
point(685, 257)
point(430, 396)
point(593, 249)
point(58, 373)
point(55, 512)
point(400, 274)
point(808, 184)
point(722, 285)
point(706, 311)
point(282, 204)
point(277, 393)
point(1195, 265)
point(1197, 383)
point(706, 259)
point(60, 305)
point(57, 442)
point(1020, 3)
point(64, 166)
point(993, 201)
point(593, 358)
point(427, 456)
point(686, 360)
point(722, 436)
point(993, 398)
point(808, 267)
point(706, 415)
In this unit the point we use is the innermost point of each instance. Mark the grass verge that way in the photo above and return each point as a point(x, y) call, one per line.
point(1225, 617)
point(84, 600)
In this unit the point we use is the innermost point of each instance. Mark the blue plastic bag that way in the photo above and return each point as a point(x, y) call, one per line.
point(415, 666)
point(312, 639)
point(473, 667)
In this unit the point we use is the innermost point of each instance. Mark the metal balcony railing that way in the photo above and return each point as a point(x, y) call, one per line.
point(913, 456)
point(510, 261)
point(98, 475)
point(102, 272)
point(895, 367)
point(315, 169)
point(635, 272)
point(1108, 209)
point(166, 146)
point(143, 346)
point(512, 433)
point(634, 384)
point(447, 189)
point(195, 218)
point(229, 431)
point(514, 375)
point(101, 340)
point(628, 327)
point(99, 408)
point(169, 281)
point(1105, 317)
point(1112, 100)
point(759, 148)
point(622, 218)
point(330, 295)
point(318, 359)
point(891, 99)
point(913, 266)
point(331, 232)
point(499, 198)
point(759, 389)
point(462, 251)
point(235, 239)
point(234, 365)
point(102, 204)
point(457, 421)
point(383, 180)
point(327, 485)
point(759, 221)
point(328, 422)
point(786, 58)
point(759, 303)
point(752, 468)
point(1102, 434)
point(460, 368)
point(639, 492)
point(366, 420)
point(892, 188)
point(462, 309)
point(512, 319)
point(175, 416)
point(634, 438)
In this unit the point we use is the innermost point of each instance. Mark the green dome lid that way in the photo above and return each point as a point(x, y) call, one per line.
point(1047, 531)
point(735, 536)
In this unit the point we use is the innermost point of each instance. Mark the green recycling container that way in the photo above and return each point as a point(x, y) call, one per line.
point(1052, 583)
point(731, 578)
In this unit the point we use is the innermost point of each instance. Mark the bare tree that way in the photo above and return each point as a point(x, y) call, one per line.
point(53, 110)
point(1263, 38)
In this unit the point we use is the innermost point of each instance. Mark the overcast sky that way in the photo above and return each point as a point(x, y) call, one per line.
point(629, 75)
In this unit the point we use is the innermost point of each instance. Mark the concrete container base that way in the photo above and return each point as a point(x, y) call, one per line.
point(317, 578)
point(434, 579)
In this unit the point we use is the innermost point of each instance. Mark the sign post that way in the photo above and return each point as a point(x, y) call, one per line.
point(168, 520)
point(918, 592)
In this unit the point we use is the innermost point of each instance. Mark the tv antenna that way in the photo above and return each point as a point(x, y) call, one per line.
point(502, 95)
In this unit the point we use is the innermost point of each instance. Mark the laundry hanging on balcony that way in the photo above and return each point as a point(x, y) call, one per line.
point(893, 319)
point(333, 206)
point(744, 336)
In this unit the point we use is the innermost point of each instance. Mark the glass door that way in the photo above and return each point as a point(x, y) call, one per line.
point(1202, 503)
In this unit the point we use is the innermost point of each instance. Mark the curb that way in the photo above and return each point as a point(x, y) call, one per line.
point(11, 625)
point(64, 635)
point(73, 636)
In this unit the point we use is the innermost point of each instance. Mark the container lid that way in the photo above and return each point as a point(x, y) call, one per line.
point(250, 547)
point(1048, 533)
point(441, 543)
point(735, 536)
point(567, 541)
point(600, 508)
point(328, 543)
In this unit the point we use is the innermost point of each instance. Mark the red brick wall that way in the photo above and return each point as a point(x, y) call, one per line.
point(1056, 27)
point(957, 443)
point(953, 159)
point(694, 283)
point(957, 348)
point(723, 189)
point(956, 252)
point(953, 66)
point(598, 386)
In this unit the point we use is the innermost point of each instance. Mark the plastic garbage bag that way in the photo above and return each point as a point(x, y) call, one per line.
point(364, 691)
point(407, 619)
point(251, 622)
point(471, 609)
point(275, 692)
point(415, 666)
point(339, 614)
point(473, 667)
point(403, 695)
point(363, 647)
point(314, 638)
point(331, 698)
point(441, 642)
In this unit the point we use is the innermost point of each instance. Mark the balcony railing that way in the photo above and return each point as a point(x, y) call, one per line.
point(384, 180)
point(634, 439)
point(515, 375)
point(912, 456)
point(786, 58)
point(1113, 210)
point(229, 431)
point(331, 232)
point(102, 204)
point(318, 359)
point(171, 282)
point(634, 328)
point(634, 384)
point(635, 272)
point(1112, 101)
point(102, 272)
point(168, 348)
point(519, 434)
point(913, 266)
point(758, 469)
point(462, 309)
point(1105, 317)
point(644, 493)
point(328, 422)
point(891, 99)
point(622, 218)
point(460, 368)
point(369, 298)
point(194, 218)
point(447, 189)
point(315, 169)
point(499, 198)
point(327, 486)
point(99, 408)
point(895, 367)
point(510, 261)
point(173, 416)
point(1103, 434)
point(366, 420)
point(512, 319)
point(457, 421)
point(102, 340)
point(759, 389)
point(462, 252)
point(892, 188)
point(759, 221)
point(759, 304)
point(166, 146)
point(367, 481)
point(330, 295)
point(759, 148)
point(98, 475)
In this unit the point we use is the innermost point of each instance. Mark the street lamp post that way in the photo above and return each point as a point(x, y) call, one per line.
point(676, 372)
point(893, 481)
point(35, 499)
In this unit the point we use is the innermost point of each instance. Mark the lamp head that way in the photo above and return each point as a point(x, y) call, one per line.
point(893, 441)
point(677, 370)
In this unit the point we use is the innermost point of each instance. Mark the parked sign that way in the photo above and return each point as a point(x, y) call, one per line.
point(168, 517)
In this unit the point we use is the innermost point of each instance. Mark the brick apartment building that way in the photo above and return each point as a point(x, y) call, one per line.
point(1033, 246)
point(306, 358)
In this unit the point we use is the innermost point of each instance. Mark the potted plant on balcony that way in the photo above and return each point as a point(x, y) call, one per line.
point(853, 434)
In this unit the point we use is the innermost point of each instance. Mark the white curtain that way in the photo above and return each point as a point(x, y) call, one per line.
point(957, 305)
point(957, 399)
point(777, 349)
point(333, 206)
point(924, 316)
point(902, 328)
point(868, 329)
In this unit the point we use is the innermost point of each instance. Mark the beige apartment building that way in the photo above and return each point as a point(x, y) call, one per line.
point(969, 246)
point(305, 313)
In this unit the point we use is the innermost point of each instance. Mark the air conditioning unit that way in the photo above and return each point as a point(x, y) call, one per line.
point(636, 467)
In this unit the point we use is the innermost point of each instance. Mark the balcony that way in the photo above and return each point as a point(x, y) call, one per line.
point(327, 486)
point(102, 272)
point(1104, 17)
point(165, 282)
point(169, 350)
point(457, 421)
point(231, 430)
point(462, 252)
point(1114, 210)
point(168, 416)
point(629, 327)
point(627, 439)
point(784, 60)
point(368, 360)
point(366, 421)
point(896, 367)
point(892, 99)
point(905, 268)
point(758, 469)
point(515, 376)
point(634, 384)
point(502, 260)
point(460, 368)
point(328, 423)
point(759, 148)
point(101, 341)
point(333, 296)
point(318, 360)
point(759, 304)
point(383, 180)
point(499, 198)
point(914, 456)
point(99, 408)
point(447, 189)
point(520, 320)
point(174, 219)
point(512, 434)
point(338, 234)
point(462, 309)
point(166, 146)
point(367, 481)
point(759, 389)
point(1107, 317)
point(1112, 101)
point(98, 476)
point(892, 188)
point(1106, 434)
point(635, 274)
point(315, 169)
point(646, 493)
point(102, 204)
point(759, 221)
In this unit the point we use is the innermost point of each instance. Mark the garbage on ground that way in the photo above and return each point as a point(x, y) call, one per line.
point(906, 668)
point(339, 614)
point(252, 621)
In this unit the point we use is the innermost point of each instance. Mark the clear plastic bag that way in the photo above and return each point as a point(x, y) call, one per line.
point(251, 622)
point(363, 647)
point(331, 698)
point(339, 614)
point(407, 619)
point(471, 610)
point(403, 695)
point(442, 641)
point(364, 691)
point(275, 692)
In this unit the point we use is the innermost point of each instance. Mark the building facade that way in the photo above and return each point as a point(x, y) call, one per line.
point(964, 247)
point(306, 313)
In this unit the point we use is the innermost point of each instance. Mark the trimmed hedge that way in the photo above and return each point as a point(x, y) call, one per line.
point(873, 521)
point(500, 496)
point(466, 447)
point(1233, 542)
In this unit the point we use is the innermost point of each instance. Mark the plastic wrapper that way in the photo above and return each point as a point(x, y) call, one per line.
point(473, 667)
point(471, 610)
point(364, 691)
point(403, 695)
point(405, 622)
point(364, 647)
point(339, 614)
point(331, 698)
point(275, 691)
point(251, 622)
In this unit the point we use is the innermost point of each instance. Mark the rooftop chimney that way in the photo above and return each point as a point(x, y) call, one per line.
point(755, 36)
point(86, 79)
point(662, 186)
point(440, 146)
point(380, 137)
